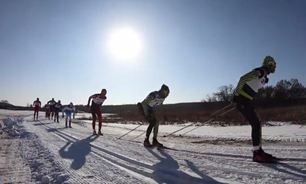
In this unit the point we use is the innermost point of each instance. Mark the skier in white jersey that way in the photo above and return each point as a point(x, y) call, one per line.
point(68, 110)
point(37, 106)
point(147, 108)
point(97, 101)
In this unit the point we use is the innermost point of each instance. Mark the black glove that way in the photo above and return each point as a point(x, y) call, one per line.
point(266, 79)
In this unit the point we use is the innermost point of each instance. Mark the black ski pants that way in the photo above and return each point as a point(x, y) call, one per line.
point(150, 116)
point(246, 108)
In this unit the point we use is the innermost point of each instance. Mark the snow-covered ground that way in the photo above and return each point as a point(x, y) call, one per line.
point(46, 152)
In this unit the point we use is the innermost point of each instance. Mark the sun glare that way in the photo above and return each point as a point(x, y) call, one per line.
point(125, 44)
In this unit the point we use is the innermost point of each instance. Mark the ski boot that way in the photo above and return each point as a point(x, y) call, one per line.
point(146, 143)
point(269, 155)
point(94, 132)
point(157, 144)
point(263, 157)
point(100, 133)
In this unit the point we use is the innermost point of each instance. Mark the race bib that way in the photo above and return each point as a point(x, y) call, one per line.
point(98, 100)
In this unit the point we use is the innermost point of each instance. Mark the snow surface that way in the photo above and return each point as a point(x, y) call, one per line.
point(46, 152)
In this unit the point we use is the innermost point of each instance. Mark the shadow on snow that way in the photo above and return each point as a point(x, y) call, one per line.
point(167, 171)
point(77, 151)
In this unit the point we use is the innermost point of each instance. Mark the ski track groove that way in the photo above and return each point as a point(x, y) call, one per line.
point(12, 168)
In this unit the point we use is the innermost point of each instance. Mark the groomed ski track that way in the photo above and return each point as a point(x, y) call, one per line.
point(84, 158)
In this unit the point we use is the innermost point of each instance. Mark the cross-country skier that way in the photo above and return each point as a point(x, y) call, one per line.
point(47, 107)
point(36, 105)
point(51, 104)
point(247, 88)
point(68, 110)
point(97, 101)
point(147, 108)
point(57, 109)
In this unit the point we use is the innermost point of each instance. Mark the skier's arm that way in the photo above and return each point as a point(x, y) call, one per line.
point(151, 96)
point(64, 109)
point(88, 103)
point(266, 79)
point(260, 72)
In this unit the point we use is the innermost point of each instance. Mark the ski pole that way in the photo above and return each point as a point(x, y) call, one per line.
point(129, 131)
point(208, 121)
point(138, 136)
point(211, 116)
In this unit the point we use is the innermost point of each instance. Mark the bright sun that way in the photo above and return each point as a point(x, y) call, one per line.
point(125, 44)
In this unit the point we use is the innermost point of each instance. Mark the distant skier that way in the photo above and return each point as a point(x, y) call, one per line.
point(36, 105)
point(68, 110)
point(47, 107)
point(51, 104)
point(97, 101)
point(247, 88)
point(57, 109)
point(147, 108)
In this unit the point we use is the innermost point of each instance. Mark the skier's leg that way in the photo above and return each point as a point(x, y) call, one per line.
point(256, 128)
point(51, 112)
point(258, 154)
point(150, 117)
point(156, 126)
point(155, 141)
point(249, 113)
point(93, 120)
point(152, 121)
point(100, 121)
point(69, 118)
point(70, 121)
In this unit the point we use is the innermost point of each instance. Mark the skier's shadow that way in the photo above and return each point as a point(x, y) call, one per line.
point(167, 171)
point(77, 151)
point(287, 169)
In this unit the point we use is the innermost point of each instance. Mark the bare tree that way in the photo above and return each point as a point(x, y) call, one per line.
point(225, 93)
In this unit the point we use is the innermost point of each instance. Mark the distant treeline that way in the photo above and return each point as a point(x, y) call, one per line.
point(283, 90)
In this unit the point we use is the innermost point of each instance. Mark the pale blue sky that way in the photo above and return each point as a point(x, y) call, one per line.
point(58, 49)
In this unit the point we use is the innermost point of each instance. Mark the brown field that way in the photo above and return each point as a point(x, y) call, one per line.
point(201, 112)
